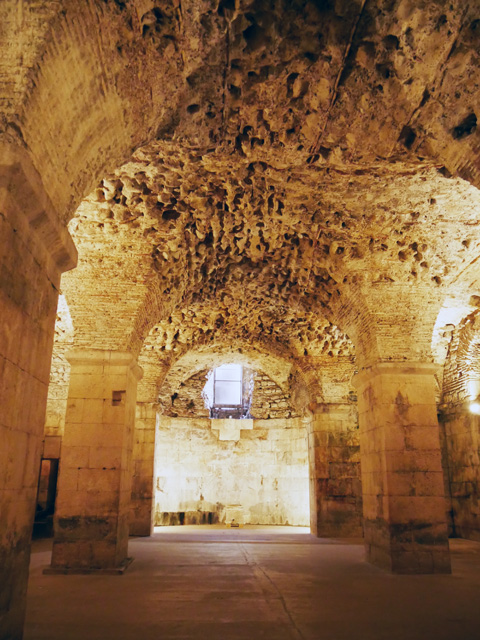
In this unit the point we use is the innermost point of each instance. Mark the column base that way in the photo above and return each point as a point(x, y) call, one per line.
point(335, 516)
point(396, 549)
point(108, 571)
point(341, 525)
point(141, 521)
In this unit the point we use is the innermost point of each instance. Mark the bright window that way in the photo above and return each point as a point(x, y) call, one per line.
point(227, 385)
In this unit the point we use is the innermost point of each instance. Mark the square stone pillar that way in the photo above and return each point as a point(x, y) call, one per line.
point(402, 477)
point(95, 479)
point(34, 250)
point(334, 461)
point(141, 506)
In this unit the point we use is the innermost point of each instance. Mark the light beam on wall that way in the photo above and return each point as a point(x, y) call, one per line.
point(474, 407)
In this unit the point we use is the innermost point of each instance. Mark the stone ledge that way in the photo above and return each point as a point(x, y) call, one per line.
point(29, 207)
point(407, 368)
point(102, 358)
point(109, 571)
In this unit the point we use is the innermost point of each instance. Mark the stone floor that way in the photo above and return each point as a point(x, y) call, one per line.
point(280, 583)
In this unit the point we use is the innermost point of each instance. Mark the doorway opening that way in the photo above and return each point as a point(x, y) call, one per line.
point(47, 490)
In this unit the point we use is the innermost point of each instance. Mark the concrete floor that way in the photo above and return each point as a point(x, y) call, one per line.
point(280, 583)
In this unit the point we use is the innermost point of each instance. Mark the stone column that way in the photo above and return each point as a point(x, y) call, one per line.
point(141, 507)
point(34, 250)
point(94, 487)
point(334, 460)
point(403, 491)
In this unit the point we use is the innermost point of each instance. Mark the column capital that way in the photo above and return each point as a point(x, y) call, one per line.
point(103, 357)
point(407, 368)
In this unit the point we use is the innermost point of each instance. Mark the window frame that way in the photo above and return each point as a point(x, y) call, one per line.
point(239, 382)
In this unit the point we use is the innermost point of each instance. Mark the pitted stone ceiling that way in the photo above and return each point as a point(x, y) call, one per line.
point(319, 81)
point(293, 152)
point(290, 335)
point(258, 241)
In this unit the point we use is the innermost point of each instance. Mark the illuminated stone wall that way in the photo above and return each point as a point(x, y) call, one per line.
point(460, 429)
point(58, 383)
point(203, 466)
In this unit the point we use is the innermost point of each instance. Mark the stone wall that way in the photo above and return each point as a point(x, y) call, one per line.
point(34, 250)
point(141, 512)
point(95, 481)
point(184, 398)
point(460, 430)
point(335, 474)
point(59, 373)
point(263, 468)
point(462, 456)
point(269, 400)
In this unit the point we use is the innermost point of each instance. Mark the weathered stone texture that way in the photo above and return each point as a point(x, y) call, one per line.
point(335, 480)
point(334, 447)
point(93, 502)
point(33, 253)
point(143, 456)
point(269, 400)
point(304, 244)
point(59, 372)
point(183, 398)
point(265, 470)
point(402, 478)
point(461, 428)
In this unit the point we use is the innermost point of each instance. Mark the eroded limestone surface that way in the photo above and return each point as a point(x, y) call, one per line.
point(287, 183)
point(262, 468)
point(257, 244)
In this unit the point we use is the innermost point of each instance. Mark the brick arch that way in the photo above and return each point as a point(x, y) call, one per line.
point(461, 381)
point(82, 88)
point(196, 358)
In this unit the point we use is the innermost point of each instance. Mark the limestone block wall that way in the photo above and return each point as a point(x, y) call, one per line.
point(335, 474)
point(263, 468)
point(141, 512)
point(460, 430)
point(34, 250)
point(462, 445)
point(95, 482)
point(402, 478)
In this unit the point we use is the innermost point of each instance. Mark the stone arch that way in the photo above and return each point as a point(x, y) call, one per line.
point(263, 446)
point(72, 112)
point(99, 117)
point(458, 418)
point(197, 356)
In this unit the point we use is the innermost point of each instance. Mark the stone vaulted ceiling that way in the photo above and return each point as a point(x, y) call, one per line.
point(274, 160)
point(256, 250)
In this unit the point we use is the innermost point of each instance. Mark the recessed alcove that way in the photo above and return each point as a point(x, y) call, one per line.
point(206, 465)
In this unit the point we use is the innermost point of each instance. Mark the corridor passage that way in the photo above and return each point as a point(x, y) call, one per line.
point(213, 583)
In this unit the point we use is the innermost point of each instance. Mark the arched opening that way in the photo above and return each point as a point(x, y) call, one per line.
point(238, 452)
point(298, 161)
